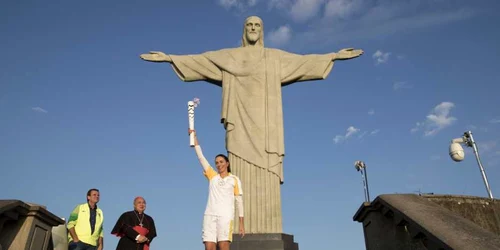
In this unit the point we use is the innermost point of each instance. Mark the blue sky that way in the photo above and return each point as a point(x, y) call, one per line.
point(79, 109)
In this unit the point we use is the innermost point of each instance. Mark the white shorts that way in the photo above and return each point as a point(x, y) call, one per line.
point(217, 228)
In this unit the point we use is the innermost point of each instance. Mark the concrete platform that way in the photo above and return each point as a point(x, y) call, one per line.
point(409, 221)
point(264, 242)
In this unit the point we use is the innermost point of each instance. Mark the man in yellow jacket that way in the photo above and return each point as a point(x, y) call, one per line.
point(85, 224)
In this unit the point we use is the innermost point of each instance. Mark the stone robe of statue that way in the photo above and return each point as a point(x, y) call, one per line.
point(251, 78)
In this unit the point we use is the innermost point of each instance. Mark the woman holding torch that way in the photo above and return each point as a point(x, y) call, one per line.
point(224, 192)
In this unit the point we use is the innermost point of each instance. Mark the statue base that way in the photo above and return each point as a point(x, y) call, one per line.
point(264, 241)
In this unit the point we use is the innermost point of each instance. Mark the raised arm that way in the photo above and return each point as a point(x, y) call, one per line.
point(203, 161)
point(156, 56)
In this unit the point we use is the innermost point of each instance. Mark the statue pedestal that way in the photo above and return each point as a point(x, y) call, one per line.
point(270, 241)
point(26, 226)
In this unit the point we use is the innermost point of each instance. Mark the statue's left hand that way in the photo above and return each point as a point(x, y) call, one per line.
point(156, 56)
point(348, 53)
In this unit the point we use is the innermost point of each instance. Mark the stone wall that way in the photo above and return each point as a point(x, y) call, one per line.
point(409, 221)
point(26, 226)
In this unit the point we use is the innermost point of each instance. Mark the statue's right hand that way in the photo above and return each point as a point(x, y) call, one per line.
point(156, 56)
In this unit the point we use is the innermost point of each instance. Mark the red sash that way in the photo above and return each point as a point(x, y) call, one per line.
point(142, 231)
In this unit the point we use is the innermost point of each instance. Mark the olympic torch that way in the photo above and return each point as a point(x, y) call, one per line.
point(191, 105)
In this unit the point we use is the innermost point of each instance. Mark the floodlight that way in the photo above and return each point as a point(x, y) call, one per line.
point(457, 154)
point(361, 167)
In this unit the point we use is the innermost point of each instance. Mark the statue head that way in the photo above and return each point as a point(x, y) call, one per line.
point(253, 32)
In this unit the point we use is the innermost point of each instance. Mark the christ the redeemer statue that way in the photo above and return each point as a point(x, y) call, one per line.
point(251, 78)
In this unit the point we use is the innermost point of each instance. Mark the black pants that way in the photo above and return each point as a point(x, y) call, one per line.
point(81, 246)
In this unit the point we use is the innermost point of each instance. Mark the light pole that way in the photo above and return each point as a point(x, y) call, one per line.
point(457, 154)
point(361, 167)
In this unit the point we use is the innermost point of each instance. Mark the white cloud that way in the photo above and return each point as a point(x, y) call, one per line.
point(239, 4)
point(371, 112)
point(335, 21)
point(228, 3)
point(338, 138)
point(38, 109)
point(330, 21)
point(324, 22)
point(379, 19)
point(280, 36)
point(438, 119)
point(302, 10)
point(362, 134)
point(416, 128)
point(341, 9)
point(495, 121)
point(401, 85)
point(298, 10)
point(440, 116)
point(278, 4)
point(350, 131)
point(381, 57)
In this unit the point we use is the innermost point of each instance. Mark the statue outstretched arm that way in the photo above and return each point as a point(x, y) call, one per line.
point(297, 68)
point(156, 56)
point(188, 67)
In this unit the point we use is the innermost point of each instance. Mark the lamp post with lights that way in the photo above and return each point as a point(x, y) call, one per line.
point(361, 167)
point(457, 154)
